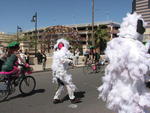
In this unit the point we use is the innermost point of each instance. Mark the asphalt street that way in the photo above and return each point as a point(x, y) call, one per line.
point(40, 101)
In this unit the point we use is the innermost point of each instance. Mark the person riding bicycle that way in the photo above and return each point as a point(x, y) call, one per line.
point(10, 64)
point(96, 58)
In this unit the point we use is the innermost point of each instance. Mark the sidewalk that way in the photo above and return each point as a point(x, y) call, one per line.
point(39, 68)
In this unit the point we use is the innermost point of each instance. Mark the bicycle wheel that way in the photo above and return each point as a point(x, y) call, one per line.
point(27, 85)
point(98, 68)
point(87, 69)
point(4, 91)
point(84, 69)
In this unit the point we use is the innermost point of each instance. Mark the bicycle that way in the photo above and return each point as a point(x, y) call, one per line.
point(90, 67)
point(8, 82)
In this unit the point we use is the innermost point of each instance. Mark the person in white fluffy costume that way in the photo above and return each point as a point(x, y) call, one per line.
point(61, 59)
point(123, 86)
point(148, 46)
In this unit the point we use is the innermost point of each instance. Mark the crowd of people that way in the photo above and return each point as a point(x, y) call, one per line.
point(123, 86)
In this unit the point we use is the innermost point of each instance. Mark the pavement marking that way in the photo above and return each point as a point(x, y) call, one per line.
point(73, 106)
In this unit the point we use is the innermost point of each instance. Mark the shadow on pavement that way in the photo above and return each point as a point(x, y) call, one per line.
point(22, 95)
point(79, 95)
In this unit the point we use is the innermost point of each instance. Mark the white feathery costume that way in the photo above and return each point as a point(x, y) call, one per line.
point(148, 45)
point(61, 58)
point(123, 85)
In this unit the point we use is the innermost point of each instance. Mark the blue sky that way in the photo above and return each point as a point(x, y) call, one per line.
point(58, 12)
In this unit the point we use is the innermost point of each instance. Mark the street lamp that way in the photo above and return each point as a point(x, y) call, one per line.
point(93, 39)
point(34, 19)
point(19, 29)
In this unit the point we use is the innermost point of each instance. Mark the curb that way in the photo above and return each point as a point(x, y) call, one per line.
point(48, 69)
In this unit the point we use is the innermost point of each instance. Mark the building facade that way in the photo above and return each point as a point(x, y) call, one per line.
point(143, 7)
point(80, 34)
point(6, 38)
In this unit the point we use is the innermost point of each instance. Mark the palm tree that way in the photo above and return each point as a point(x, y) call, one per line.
point(101, 37)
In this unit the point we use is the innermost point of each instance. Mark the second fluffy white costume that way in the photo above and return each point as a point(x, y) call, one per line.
point(123, 85)
point(61, 58)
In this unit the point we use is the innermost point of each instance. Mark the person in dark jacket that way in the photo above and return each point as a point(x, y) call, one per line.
point(44, 59)
point(39, 57)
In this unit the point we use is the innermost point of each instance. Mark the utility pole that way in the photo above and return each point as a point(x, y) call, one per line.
point(19, 29)
point(93, 39)
point(34, 19)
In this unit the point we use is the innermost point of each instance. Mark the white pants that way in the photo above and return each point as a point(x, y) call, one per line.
point(60, 88)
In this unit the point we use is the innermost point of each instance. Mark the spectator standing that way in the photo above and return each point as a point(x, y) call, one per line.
point(86, 56)
point(27, 56)
point(44, 59)
point(39, 57)
point(23, 56)
point(77, 53)
point(2, 56)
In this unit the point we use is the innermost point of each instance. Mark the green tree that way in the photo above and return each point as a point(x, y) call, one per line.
point(101, 37)
point(31, 40)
